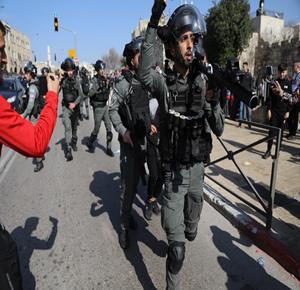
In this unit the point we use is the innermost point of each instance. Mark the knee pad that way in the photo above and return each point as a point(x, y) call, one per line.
point(176, 255)
point(109, 136)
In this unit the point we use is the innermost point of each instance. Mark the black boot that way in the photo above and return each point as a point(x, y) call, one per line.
point(39, 166)
point(69, 155)
point(267, 154)
point(190, 236)
point(74, 147)
point(109, 137)
point(74, 144)
point(90, 143)
point(124, 239)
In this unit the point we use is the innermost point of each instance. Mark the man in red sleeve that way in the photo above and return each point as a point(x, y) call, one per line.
point(29, 140)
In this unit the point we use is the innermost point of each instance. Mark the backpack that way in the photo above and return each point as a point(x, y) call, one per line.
point(10, 274)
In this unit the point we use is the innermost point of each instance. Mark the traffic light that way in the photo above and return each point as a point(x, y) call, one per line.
point(55, 24)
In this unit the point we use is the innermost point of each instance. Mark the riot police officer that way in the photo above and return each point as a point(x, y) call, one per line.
point(85, 84)
point(31, 101)
point(72, 95)
point(99, 94)
point(129, 113)
point(188, 112)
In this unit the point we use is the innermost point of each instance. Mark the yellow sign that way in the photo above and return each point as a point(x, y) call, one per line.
point(71, 53)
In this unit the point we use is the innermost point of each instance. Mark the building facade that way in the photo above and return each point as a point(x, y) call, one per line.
point(18, 49)
point(271, 43)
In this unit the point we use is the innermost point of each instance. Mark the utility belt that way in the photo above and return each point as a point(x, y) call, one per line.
point(186, 141)
point(191, 126)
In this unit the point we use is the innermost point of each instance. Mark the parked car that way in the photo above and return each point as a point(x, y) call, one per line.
point(13, 91)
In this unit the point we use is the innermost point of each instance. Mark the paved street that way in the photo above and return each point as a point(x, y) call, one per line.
point(82, 251)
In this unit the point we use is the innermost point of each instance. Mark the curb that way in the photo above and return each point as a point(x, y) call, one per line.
point(5, 160)
point(262, 238)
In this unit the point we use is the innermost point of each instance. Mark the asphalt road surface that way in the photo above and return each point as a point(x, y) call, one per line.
point(65, 221)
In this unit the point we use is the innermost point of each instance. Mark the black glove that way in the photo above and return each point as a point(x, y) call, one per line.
point(157, 10)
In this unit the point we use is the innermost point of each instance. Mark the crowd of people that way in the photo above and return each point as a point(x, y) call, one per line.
point(163, 117)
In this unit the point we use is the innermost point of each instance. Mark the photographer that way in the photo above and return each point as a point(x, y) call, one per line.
point(278, 110)
point(29, 140)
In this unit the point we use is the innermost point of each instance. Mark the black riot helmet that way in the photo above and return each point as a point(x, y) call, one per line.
point(45, 70)
point(185, 17)
point(132, 48)
point(30, 68)
point(68, 64)
point(99, 65)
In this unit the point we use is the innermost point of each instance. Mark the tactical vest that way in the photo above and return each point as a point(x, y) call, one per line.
point(70, 93)
point(184, 139)
point(134, 111)
point(103, 92)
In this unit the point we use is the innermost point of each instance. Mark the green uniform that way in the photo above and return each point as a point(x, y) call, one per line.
point(130, 157)
point(72, 93)
point(99, 94)
point(186, 120)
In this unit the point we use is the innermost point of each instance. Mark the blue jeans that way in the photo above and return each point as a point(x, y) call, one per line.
point(245, 112)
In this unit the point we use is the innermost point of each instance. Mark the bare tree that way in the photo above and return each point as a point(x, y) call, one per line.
point(112, 59)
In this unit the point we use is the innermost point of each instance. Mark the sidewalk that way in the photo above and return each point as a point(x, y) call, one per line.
point(286, 213)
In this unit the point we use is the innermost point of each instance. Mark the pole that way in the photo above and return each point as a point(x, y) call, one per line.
point(74, 37)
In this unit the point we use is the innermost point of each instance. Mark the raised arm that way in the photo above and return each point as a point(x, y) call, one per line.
point(153, 81)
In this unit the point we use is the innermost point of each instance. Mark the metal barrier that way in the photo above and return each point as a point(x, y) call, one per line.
point(267, 210)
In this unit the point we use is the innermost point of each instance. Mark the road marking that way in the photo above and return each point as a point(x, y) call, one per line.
point(6, 162)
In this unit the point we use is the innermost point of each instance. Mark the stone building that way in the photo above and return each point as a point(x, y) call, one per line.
point(18, 49)
point(271, 43)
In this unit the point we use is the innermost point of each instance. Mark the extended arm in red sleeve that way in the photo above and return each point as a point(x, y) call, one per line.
point(21, 135)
